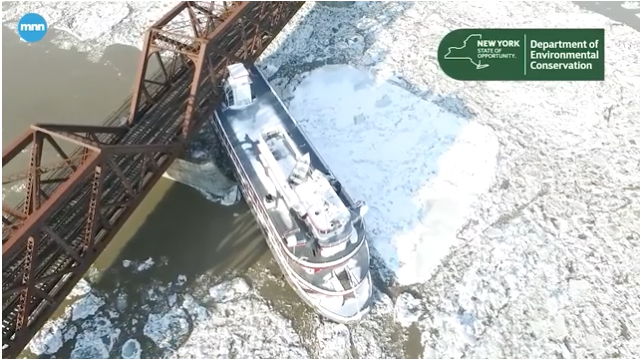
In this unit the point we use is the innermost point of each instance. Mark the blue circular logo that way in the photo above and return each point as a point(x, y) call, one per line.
point(32, 27)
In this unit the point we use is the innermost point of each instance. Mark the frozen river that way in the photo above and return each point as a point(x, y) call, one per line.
point(504, 215)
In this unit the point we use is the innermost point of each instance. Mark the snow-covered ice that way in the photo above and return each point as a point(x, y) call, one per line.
point(367, 343)
point(96, 339)
point(419, 167)
point(244, 327)
point(168, 330)
point(86, 306)
point(131, 350)
point(407, 309)
point(337, 339)
point(231, 290)
point(145, 265)
point(82, 288)
point(50, 337)
point(195, 310)
point(141, 266)
point(182, 279)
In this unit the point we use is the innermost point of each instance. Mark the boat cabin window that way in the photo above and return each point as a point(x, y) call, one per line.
point(229, 94)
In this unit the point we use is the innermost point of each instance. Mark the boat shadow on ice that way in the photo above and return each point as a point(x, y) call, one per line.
point(206, 167)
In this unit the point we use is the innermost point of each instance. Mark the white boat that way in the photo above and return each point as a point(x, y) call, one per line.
point(315, 231)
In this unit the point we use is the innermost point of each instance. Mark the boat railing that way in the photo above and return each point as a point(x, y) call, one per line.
point(331, 293)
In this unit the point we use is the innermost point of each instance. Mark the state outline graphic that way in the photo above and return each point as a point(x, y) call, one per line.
point(479, 66)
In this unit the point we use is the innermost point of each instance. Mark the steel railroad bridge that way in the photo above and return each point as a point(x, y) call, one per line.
point(71, 209)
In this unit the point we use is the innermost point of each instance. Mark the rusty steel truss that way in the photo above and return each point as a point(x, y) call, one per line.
point(72, 208)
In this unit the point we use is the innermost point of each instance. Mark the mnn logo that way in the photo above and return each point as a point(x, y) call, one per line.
point(32, 27)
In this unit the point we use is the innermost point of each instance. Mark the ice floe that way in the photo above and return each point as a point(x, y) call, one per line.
point(50, 337)
point(182, 279)
point(336, 341)
point(139, 266)
point(196, 311)
point(367, 343)
point(86, 306)
point(96, 339)
point(80, 289)
point(407, 309)
point(168, 330)
point(131, 350)
point(240, 325)
point(227, 291)
point(145, 265)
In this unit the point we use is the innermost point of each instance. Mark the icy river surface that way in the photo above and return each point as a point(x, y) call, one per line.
point(504, 216)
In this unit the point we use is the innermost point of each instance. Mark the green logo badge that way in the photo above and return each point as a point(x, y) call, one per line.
point(523, 54)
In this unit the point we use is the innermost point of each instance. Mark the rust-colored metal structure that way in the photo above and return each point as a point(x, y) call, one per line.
point(72, 208)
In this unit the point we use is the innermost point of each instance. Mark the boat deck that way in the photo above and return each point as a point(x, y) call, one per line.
point(242, 129)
